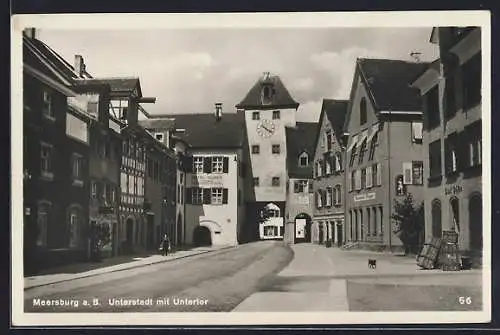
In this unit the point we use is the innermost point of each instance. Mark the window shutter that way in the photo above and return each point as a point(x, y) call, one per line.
point(224, 195)
point(189, 195)
point(369, 179)
point(225, 164)
point(407, 175)
point(207, 196)
point(207, 164)
point(379, 175)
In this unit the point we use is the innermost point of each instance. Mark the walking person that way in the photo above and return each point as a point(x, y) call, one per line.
point(165, 245)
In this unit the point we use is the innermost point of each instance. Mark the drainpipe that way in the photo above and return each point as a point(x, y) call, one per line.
point(389, 175)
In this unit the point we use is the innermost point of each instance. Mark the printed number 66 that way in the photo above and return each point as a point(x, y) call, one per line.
point(465, 300)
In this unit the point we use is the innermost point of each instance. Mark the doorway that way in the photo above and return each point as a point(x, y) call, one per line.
point(202, 236)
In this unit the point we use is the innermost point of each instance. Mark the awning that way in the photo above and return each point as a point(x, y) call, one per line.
point(373, 131)
point(354, 140)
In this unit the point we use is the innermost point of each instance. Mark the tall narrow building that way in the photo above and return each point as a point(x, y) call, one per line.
point(268, 109)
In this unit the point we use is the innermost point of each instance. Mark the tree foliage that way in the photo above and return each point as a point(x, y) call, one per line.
point(408, 222)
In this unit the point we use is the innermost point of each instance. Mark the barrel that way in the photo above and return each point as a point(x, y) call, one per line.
point(449, 257)
point(429, 254)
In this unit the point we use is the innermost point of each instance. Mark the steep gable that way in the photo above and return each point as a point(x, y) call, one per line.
point(334, 112)
point(280, 97)
point(298, 140)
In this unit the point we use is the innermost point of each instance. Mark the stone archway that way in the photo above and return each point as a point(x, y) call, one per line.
point(202, 236)
point(302, 224)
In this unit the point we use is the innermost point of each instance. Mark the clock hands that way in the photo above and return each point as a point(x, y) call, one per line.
point(269, 130)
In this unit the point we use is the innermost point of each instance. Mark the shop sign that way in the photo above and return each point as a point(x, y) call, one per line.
point(365, 197)
point(207, 180)
point(454, 189)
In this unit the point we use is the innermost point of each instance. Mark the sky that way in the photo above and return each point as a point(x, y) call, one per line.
point(188, 70)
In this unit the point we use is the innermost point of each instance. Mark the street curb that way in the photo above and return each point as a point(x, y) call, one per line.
point(132, 267)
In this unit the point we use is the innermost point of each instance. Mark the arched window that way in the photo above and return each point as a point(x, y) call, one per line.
point(436, 218)
point(75, 222)
point(303, 159)
point(476, 222)
point(362, 112)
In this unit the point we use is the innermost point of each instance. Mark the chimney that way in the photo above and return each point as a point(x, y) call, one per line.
point(30, 33)
point(79, 65)
point(218, 111)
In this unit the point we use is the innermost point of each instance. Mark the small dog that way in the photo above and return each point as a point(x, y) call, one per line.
point(372, 263)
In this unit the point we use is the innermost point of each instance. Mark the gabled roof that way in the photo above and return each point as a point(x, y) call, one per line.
point(388, 82)
point(300, 139)
point(204, 131)
point(117, 85)
point(158, 124)
point(53, 58)
point(281, 96)
point(335, 111)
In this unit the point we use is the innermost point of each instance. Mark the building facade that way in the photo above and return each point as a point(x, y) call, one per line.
point(162, 191)
point(299, 201)
point(212, 184)
point(329, 164)
point(56, 153)
point(451, 89)
point(268, 110)
point(384, 151)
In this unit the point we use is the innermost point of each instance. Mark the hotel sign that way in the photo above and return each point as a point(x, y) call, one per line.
point(452, 190)
point(207, 180)
point(365, 197)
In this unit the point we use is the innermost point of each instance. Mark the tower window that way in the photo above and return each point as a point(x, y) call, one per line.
point(276, 115)
point(255, 116)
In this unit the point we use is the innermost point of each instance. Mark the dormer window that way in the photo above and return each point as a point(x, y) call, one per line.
point(303, 159)
point(159, 137)
point(267, 94)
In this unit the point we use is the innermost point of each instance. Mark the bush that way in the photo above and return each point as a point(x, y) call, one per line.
point(408, 223)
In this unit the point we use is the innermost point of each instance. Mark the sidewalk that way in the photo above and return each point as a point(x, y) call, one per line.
point(318, 277)
point(70, 273)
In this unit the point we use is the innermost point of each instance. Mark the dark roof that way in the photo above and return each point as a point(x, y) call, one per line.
point(281, 97)
point(160, 124)
point(300, 139)
point(389, 83)
point(336, 111)
point(53, 58)
point(123, 84)
point(204, 131)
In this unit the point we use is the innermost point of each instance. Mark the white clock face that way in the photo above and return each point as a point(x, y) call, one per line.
point(266, 128)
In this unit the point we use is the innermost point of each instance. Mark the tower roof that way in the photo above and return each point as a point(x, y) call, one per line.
point(279, 95)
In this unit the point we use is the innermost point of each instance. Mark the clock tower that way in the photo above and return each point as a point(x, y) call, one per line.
point(269, 109)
